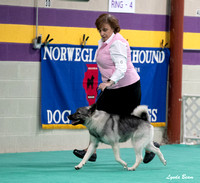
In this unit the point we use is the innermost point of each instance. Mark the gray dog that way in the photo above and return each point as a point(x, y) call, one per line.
point(112, 129)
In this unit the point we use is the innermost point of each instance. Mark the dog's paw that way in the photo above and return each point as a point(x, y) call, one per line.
point(131, 169)
point(77, 167)
point(165, 163)
point(126, 166)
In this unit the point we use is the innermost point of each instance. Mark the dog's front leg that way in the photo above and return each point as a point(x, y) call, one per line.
point(115, 148)
point(88, 154)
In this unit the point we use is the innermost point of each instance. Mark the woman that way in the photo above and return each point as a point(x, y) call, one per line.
point(120, 81)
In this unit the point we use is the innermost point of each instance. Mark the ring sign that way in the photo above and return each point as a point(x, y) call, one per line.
point(124, 6)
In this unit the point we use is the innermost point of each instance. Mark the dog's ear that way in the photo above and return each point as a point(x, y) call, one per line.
point(93, 108)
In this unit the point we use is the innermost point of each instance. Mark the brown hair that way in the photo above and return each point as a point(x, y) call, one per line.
point(109, 19)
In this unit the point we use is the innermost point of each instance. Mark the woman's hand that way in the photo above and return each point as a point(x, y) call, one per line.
point(102, 86)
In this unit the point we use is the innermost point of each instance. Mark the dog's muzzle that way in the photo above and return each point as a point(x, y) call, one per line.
point(74, 121)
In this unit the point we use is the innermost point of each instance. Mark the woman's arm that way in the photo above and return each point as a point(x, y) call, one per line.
point(118, 52)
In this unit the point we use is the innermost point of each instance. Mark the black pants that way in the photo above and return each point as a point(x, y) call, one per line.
point(120, 101)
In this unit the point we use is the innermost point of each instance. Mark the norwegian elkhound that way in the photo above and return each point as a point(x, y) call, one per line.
point(112, 129)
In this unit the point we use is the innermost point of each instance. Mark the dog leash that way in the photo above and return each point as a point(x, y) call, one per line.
point(98, 96)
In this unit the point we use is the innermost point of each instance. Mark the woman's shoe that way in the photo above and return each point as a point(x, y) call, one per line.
point(149, 156)
point(81, 154)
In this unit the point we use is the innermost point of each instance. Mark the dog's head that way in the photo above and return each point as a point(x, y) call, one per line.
point(82, 114)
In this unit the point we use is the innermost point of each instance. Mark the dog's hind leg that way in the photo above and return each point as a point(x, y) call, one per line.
point(88, 154)
point(152, 148)
point(115, 148)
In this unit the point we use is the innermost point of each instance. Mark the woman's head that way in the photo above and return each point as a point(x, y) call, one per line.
point(108, 19)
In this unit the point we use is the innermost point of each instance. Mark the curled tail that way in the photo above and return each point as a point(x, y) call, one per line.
point(142, 112)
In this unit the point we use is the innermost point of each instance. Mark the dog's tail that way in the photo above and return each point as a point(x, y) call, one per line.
point(142, 112)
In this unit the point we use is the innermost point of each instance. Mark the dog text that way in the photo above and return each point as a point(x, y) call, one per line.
point(57, 116)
